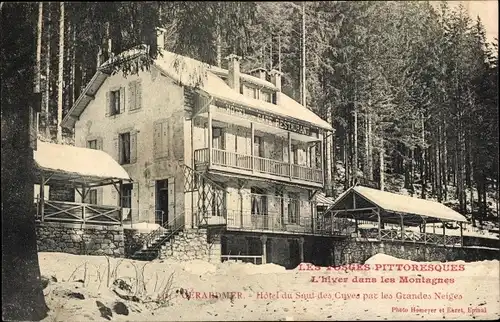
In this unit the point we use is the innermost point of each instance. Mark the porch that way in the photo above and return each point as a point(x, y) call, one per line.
point(80, 170)
point(232, 141)
point(382, 216)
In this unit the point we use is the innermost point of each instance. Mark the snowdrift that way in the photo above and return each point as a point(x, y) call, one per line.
point(102, 289)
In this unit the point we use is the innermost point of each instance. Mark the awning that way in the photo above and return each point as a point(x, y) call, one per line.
point(78, 165)
point(359, 199)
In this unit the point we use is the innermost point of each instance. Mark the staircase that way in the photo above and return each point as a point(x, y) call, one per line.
point(158, 240)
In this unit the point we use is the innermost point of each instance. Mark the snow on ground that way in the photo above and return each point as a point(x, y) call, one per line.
point(83, 280)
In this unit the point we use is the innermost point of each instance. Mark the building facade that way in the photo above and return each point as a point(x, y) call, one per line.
point(207, 147)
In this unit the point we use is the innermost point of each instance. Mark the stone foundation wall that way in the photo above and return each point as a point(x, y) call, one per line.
point(192, 244)
point(134, 240)
point(359, 251)
point(80, 239)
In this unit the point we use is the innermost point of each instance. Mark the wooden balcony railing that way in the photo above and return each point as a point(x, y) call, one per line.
point(257, 165)
point(64, 211)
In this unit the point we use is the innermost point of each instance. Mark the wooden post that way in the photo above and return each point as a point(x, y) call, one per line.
point(252, 138)
point(290, 155)
point(444, 234)
point(263, 239)
point(402, 228)
point(379, 223)
point(321, 163)
point(42, 197)
point(461, 235)
point(301, 249)
point(120, 200)
point(209, 137)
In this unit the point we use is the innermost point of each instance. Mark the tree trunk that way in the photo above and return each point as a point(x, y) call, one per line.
point(22, 292)
point(370, 148)
point(60, 74)
point(47, 75)
point(355, 161)
point(422, 166)
point(381, 165)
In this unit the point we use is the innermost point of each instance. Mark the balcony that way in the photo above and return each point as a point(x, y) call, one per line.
point(236, 163)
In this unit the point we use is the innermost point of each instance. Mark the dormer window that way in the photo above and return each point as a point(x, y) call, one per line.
point(265, 96)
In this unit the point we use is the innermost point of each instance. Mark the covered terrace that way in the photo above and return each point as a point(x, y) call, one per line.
point(80, 169)
point(384, 216)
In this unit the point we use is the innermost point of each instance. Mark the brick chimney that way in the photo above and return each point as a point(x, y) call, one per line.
point(233, 77)
point(259, 73)
point(160, 38)
point(276, 80)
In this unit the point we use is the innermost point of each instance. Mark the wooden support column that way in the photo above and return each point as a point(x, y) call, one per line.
point(252, 142)
point(209, 136)
point(379, 223)
point(444, 234)
point(301, 249)
point(42, 197)
point(290, 155)
point(321, 163)
point(461, 234)
point(84, 195)
point(402, 228)
point(263, 239)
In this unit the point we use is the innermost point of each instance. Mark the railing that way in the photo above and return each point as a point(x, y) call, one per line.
point(275, 222)
point(65, 211)
point(258, 259)
point(257, 165)
point(413, 236)
point(172, 226)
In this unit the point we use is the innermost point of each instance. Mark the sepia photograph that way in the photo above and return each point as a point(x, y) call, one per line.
point(250, 161)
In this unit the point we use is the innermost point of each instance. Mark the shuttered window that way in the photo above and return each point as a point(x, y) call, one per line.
point(134, 95)
point(115, 101)
point(127, 147)
point(161, 139)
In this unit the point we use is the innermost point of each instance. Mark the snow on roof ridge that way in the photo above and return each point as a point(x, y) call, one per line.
point(215, 86)
point(406, 204)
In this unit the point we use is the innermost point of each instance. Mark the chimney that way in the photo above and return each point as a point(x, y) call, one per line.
point(233, 77)
point(160, 38)
point(276, 80)
point(259, 73)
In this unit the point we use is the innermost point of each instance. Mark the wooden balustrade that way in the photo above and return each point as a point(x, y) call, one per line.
point(65, 211)
point(257, 165)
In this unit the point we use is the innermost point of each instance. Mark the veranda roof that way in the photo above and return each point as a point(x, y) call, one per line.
point(80, 165)
point(361, 198)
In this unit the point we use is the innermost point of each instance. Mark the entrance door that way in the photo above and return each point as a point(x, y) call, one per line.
point(161, 202)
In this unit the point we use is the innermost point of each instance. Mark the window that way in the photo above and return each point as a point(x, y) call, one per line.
point(92, 197)
point(124, 142)
point(126, 195)
point(258, 146)
point(92, 144)
point(293, 208)
point(265, 96)
point(295, 154)
point(259, 201)
point(218, 138)
point(114, 107)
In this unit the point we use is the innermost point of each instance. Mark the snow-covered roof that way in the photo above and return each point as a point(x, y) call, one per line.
point(323, 200)
point(204, 77)
point(395, 203)
point(191, 72)
point(79, 164)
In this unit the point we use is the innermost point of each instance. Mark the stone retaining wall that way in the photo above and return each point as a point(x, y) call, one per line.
point(192, 244)
point(134, 240)
point(358, 251)
point(80, 239)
